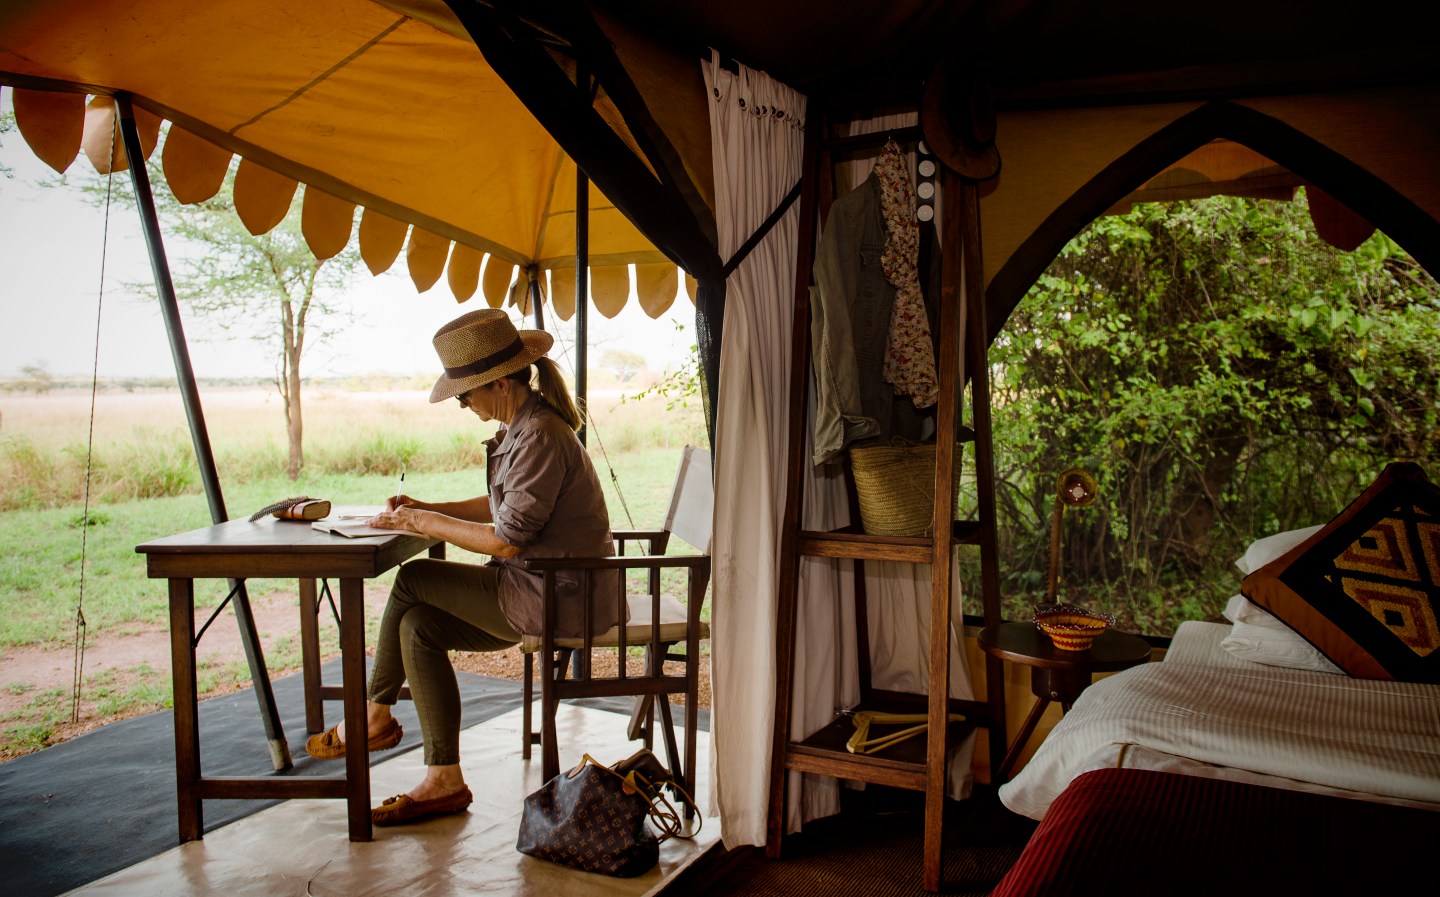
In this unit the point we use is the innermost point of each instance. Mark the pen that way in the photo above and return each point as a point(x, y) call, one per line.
point(400, 488)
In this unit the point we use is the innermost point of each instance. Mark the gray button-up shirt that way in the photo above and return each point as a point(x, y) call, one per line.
point(545, 499)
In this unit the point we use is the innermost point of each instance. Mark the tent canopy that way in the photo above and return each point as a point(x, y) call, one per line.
point(391, 108)
point(458, 119)
point(1100, 105)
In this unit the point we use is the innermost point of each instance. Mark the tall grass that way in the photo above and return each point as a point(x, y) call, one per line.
point(142, 447)
point(145, 482)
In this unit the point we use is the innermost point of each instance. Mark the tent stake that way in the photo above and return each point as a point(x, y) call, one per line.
point(189, 393)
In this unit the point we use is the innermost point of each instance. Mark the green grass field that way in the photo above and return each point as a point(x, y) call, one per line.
point(144, 484)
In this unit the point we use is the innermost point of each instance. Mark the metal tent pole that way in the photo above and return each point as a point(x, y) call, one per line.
point(537, 301)
point(582, 291)
point(189, 393)
point(582, 318)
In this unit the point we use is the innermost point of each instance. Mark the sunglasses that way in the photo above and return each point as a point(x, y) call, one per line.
point(464, 397)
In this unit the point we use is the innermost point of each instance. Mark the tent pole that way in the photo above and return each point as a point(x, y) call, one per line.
point(189, 393)
point(537, 302)
point(582, 290)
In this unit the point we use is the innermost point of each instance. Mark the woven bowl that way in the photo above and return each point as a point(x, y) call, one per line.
point(1071, 628)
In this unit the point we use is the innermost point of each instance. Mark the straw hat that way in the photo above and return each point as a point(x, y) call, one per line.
point(482, 346)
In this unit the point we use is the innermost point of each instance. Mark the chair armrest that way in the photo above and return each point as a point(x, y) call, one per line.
point(630, 535)
point(656, 540)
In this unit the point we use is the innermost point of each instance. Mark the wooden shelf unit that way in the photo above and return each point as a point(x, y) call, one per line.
point(920, 763)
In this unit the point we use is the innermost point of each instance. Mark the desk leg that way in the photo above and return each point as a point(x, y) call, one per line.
point(187, 711)
point(310, 657)
point(352, 661)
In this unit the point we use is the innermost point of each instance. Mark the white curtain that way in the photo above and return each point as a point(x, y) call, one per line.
point(757, 137)
point(757, 144)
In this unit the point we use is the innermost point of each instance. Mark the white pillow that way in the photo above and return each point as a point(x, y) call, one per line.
point(1263, 551)
point(1258, 636)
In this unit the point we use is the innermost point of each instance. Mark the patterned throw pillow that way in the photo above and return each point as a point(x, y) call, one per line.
point(1365, 589)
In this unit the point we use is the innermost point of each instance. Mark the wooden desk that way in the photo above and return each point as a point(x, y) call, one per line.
point(1057, 675)
point(240, 549)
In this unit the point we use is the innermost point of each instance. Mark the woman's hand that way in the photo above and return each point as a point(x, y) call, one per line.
point(403, 516)
point(432, 521)
point(402, 501)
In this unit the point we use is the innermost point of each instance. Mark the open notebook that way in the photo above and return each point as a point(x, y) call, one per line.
point(350, 522)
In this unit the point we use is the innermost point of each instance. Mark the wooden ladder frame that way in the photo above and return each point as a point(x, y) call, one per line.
point(823, 752)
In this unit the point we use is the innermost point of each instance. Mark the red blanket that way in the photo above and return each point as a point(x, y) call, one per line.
point(1135, 831)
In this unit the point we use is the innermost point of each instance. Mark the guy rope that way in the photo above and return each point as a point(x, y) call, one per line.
point(85, 522)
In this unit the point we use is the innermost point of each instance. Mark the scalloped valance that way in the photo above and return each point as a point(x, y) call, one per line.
point(346, 104)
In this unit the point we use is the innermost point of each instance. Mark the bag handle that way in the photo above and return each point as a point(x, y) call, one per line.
point(662, 813)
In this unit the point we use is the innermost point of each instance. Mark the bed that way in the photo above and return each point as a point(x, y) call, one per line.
point(1262, 756)
point(1204, 712)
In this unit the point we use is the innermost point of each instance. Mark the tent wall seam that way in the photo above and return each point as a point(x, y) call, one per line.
point(322, 77)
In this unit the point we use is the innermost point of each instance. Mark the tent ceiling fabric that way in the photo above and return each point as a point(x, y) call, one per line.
point(391, 106)
point(363, 104)
point(1078, 84)
point(1039, 52)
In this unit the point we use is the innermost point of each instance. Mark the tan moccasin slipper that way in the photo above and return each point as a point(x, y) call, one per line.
point(403, 808)
point(328, 746)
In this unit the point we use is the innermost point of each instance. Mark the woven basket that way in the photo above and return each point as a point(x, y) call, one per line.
point(895, 481)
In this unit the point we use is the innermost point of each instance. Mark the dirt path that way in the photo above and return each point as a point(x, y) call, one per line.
point(127, 671)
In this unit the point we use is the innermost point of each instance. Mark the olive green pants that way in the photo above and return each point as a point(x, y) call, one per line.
point(436, 607)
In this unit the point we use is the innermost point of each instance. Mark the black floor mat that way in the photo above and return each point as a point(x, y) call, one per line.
point(80, 810)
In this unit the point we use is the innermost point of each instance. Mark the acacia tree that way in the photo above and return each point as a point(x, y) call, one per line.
point(269, 288)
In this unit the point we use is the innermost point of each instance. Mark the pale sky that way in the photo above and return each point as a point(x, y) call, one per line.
point(51, 248)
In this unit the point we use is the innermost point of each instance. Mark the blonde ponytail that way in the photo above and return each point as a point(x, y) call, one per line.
point(553, 391)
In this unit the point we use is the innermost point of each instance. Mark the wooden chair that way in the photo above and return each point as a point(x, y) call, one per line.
point(657, 622)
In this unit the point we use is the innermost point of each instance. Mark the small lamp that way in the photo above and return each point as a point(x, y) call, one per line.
point(1075, 488)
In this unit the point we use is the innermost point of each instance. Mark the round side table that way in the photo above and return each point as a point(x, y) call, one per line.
point(1056, 675)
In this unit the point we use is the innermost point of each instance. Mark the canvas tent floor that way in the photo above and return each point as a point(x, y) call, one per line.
point(301, 846)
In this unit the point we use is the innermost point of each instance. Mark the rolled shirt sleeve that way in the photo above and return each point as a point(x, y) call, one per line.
point(546, 500)
point(529, 490)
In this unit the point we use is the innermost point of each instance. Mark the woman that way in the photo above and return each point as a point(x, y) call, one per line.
point(544, 500)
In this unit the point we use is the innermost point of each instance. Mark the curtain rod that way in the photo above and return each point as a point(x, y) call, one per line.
point(875, 138)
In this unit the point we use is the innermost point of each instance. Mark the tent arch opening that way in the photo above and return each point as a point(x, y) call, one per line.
point(1308, 158)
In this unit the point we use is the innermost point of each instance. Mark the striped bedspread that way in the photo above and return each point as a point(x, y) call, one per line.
point(1367, 736)
point(1122, 832)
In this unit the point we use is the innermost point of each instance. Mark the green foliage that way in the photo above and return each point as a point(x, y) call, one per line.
point(7, 127)
point(93, 518)
point(1223, 373)
point(680, 387)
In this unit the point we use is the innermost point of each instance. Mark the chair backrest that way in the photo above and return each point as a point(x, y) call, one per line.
point(692, 503)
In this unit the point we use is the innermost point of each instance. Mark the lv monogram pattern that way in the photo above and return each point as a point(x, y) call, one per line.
point(586, 819)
